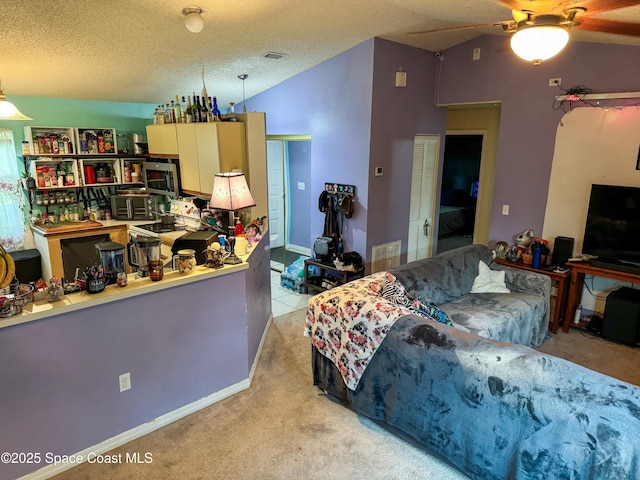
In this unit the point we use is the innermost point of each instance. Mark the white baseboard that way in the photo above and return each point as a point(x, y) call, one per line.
point(166, 419)
point(298, 249)
point(259, 352)
point(141, 430)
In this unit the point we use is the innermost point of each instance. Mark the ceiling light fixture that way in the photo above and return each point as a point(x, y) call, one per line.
point(192, 19)
point(243, 77)
point(541, 37)
point(8, 110)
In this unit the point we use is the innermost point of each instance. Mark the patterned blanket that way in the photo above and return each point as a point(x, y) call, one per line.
point(348, 324)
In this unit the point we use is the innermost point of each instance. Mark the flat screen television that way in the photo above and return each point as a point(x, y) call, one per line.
point(612, 231)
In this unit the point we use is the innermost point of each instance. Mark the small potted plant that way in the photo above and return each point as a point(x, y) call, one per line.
point(28, 182)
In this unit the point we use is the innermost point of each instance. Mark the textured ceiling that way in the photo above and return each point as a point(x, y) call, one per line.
point(140, 51)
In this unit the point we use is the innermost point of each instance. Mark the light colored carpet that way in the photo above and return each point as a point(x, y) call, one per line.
point(281, 428)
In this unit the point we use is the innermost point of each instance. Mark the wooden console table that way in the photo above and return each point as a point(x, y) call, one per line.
point(578, 271)
point(562, 278)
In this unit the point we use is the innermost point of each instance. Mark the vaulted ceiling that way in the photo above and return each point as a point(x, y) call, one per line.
point(140, 50)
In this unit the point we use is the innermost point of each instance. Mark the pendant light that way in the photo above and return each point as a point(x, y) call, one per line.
point(8, 110)
point(243, 77)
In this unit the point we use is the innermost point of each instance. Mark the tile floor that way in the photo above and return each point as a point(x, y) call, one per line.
point(284, 300)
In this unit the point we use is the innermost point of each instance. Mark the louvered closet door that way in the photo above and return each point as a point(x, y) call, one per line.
point(423, 196)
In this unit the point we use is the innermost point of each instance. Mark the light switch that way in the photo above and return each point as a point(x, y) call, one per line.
point(301, 186)
point(505, 209)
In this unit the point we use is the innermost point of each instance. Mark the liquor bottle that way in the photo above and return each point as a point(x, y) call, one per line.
point(204, 112)
point(216, 110)
point(189, 114)
point(178, 110)
point(183, 113)
point(167, 114)
point(172, 112)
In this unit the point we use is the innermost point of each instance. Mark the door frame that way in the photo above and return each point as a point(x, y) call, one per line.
point(478, 237)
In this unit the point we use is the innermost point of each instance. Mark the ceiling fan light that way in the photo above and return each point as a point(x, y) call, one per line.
point(539, 42)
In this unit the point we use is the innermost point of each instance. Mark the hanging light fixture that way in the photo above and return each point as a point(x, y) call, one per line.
point(192, 19)
point(243, 77)
point(8, 110)
point(540, 37)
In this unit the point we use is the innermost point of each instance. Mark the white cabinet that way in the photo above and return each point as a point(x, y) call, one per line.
point(203, 150)
point(101, 171)
point(52, 173)
point(50, 140)
point(96, 141)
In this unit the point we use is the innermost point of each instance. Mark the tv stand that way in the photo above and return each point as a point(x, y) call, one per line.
point(618, 266)
point(579, 270)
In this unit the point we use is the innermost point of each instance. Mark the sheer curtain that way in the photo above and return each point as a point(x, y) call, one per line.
point(11, 199)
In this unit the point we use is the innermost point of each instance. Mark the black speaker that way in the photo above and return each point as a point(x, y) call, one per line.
point(622, 316)
point(562, 251)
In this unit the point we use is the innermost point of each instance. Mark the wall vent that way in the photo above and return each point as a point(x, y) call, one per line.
point(385, 256)
point(274, 55)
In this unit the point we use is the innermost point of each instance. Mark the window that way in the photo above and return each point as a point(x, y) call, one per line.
point(12, 219)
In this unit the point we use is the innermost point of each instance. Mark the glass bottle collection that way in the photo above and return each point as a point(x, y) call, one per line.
point(195, 109)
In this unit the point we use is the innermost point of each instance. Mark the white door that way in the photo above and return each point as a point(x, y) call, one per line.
point(423, 196)
point(276, 193)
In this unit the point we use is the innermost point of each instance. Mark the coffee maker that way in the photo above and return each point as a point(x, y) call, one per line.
point(111, 257)
point(145, 255)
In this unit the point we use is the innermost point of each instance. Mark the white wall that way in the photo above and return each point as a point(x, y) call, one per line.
point(593, 145)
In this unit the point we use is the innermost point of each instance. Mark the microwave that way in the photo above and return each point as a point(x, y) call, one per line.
point(135, 207)
point(162, 178)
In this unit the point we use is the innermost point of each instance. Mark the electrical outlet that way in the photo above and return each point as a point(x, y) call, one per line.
point(505, 209)
point(555, 82)
point(125, 381)
point(476, 53)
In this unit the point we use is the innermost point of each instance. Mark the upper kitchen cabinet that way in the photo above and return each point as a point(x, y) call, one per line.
point(162, 140)
point(203, 150)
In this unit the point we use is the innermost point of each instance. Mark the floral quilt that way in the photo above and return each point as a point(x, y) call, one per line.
point(347, 324)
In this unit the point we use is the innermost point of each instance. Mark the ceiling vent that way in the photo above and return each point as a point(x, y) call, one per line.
point(274, 55)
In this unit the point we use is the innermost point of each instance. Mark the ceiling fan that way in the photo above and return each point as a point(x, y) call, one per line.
point(540, 28)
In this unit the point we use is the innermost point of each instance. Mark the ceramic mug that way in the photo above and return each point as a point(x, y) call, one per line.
point(185, 261)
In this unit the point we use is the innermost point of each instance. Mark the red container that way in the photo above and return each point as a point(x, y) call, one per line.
point(89, 174)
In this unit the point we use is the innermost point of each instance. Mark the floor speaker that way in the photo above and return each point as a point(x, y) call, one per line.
point(622, 316)
point(562, 250)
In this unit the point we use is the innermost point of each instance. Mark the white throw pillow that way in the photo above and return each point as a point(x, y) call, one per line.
point(489, 281)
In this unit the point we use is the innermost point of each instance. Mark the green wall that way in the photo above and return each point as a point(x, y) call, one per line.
point(63, 112)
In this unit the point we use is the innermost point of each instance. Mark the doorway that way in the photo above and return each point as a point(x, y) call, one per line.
point(460, 186)
point(289, 177)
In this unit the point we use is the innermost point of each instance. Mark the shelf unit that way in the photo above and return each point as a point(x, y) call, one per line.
point(96, 141)
point(71, 141)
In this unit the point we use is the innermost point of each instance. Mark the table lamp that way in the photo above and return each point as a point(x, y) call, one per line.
point(230, 192)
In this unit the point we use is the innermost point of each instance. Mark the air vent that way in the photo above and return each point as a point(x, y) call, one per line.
point(385, 256)
point(274, 55)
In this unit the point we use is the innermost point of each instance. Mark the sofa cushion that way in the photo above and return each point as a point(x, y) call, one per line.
point(512, 317)
point(444, 277)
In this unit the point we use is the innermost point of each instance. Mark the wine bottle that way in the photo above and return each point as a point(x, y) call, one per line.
point(189, 113)
point(172, 112)
point(167, 114)
point(204, 112)
point(183, 115)
point(196, 108)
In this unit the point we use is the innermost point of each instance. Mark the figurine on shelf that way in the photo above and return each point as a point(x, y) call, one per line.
point(53, 290)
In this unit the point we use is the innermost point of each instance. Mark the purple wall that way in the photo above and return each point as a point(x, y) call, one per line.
point(358, 120)
point(528, 121)
point(398, 114)
point(59, 376)
point(299, 156)
point(332, 103)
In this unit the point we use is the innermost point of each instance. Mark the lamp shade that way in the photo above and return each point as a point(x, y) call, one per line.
point(230, 192)
point(537, 43)
point(8, 110)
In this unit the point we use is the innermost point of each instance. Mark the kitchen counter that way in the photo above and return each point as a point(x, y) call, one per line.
point(186, 341)
point(135, 286)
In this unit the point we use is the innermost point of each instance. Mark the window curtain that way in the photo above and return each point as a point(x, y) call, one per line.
point(11, 197)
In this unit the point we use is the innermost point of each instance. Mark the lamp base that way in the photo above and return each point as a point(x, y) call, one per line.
point(232, 259)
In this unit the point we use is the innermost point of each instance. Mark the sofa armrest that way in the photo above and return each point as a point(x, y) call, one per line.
point(524, 281)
